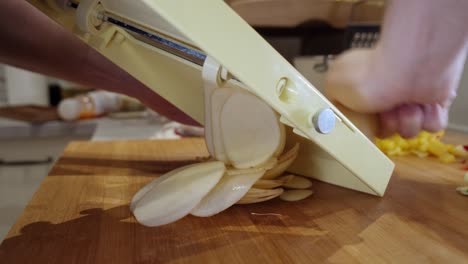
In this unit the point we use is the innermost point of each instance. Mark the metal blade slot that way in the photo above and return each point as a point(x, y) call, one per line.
point(153, 39)
point(159, 42)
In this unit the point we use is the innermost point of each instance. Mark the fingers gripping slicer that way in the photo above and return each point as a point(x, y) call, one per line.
point(183, 49)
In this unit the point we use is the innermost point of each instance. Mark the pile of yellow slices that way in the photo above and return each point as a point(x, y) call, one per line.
point(423, 145)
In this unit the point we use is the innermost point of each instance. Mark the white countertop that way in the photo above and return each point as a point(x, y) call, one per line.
point(126, 129)
point(98, 129)
point(10, 128)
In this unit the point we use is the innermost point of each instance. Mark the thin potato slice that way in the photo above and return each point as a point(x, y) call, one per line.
point(290, 153)
point(251, 200)
point(177, 195)
point(285, 179)
point(282, 144)
point(218, 99)
point(268, 165)
point(153, 183)
point(284, 162)
point(254, 192)
point(208, 91)
point(295, 195)
point(271, 184)
point(297, 182)
point(279, 169)
point(250, 130)
point(267, 184)
point(229, 190)
point(233, 171)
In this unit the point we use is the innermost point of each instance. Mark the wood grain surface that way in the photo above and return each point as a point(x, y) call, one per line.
point(80, 215)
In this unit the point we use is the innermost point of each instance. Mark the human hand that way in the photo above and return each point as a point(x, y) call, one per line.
point(411, 77)
point(358, 80)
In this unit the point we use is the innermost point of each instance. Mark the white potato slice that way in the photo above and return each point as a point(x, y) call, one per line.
point(208, 91)
point(175, 196)
point(297, 182)
point(295, 195)
point(284, 162)
point(153, 183)
point(279, 169)
point(218, 99)
point(234, 171)
point(285, 179)
point(260, 196)
point(229, 190)
point(259, 199)
point(269, 164)
point(255, 192)
point(267, 184)
point(282, 144)
point(293, 152)
point(266, 166)
point(250, 129)
point(270, 184)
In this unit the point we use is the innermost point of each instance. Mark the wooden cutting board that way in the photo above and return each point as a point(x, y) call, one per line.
point(80, 215)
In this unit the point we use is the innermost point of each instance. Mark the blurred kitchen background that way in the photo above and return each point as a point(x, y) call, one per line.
point(33, 133)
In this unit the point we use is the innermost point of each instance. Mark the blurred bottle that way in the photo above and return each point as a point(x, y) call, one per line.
point(95, 104)
point(89, 105)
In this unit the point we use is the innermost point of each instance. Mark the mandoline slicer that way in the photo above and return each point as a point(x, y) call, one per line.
point(180, 48)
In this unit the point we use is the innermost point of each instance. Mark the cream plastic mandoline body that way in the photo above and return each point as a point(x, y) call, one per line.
point(343, 157)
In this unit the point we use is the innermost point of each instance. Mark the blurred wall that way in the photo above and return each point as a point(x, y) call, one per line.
point(459, 111)
point(24, 87)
